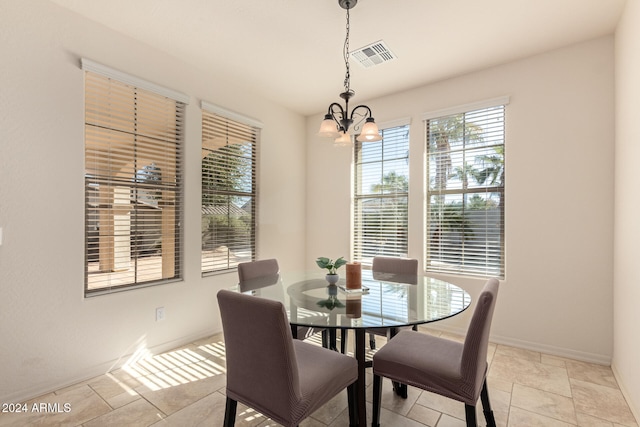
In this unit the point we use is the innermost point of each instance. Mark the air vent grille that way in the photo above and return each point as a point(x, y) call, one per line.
point(374, 54)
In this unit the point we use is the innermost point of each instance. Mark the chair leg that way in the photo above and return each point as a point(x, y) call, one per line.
point(325, 338)
point(372, 341)
point(352, 396)
point(486, 406)
point(230, 413)
point(333, 340)
point(401, 390)
point(470, 413)
point(344, 335)
point(377, 400)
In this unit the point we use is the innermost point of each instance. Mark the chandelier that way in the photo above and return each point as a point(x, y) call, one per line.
point(338, 120)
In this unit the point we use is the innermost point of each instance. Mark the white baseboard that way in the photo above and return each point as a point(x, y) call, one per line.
point(30, 393)
point(582, 356)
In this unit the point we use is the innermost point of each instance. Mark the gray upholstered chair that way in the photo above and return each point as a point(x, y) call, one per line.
point(267, 370)
point(449, 368)
point(253, 275)
point(392, 269)
point(257, 269)
point(396, 265)
point(403, 270)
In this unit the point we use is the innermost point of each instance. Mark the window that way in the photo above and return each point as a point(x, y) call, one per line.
point(229, 144)
point(381, 196)
point(465, 197)
point(133, 181)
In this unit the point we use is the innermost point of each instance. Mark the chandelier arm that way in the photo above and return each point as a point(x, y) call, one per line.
point(362, 116)
point(343, 122)
point(367, 114)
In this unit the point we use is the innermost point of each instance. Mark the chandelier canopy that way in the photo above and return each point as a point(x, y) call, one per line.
point(338, 120)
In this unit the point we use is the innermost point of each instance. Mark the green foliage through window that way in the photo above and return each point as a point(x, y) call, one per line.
point(382, 195)
point(228, 192)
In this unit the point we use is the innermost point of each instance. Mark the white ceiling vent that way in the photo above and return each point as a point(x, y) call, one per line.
point(374, 54)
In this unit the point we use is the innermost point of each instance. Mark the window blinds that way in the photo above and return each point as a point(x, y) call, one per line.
point(465, 198)
point(228, 189)
point(133, 184)
point(381, 196)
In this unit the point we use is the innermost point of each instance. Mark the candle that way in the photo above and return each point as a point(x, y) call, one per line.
point(354, 275)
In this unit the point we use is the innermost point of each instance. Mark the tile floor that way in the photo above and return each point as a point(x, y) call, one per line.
point(185, 387)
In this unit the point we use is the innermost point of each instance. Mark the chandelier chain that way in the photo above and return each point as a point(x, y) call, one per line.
point(347, 75)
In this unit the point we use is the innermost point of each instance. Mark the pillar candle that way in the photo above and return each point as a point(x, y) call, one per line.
point(354, 275)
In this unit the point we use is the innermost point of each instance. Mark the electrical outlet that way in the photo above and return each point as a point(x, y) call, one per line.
point(159, 314)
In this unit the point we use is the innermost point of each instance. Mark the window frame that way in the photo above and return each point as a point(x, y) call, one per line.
point(358, 246)
point(214, 120)
point(129, 122)
point(490, 270)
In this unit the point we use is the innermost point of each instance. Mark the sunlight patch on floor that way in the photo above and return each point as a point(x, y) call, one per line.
point(175, 367)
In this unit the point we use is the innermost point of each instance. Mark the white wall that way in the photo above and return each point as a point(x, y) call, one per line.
point(51, 335)
point(626, 350)
point(557, 296)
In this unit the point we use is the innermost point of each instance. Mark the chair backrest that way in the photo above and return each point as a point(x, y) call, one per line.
point(474, 353)
point(396, 265)
point(258, 283)
point(262, 369)
point(403, 270)
point(254, 269)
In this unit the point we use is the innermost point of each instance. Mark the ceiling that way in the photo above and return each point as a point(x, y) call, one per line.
point(290, 51)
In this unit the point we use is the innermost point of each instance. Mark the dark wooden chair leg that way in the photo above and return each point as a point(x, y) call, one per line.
point(377, 400)
point(352, 396)
point(486, 405)
point(333, 339)
point(344, 336)
point(230, 413)
point(400, 389)
point(470, 413)
point(325, 338)
point(372, 341)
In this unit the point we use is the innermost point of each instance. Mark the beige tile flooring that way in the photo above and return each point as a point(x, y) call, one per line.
point(185, 387)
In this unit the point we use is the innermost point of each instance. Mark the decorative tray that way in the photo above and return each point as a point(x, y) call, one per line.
point(362, 290)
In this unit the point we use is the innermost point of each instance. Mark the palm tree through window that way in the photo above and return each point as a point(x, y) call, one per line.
point(465, 197)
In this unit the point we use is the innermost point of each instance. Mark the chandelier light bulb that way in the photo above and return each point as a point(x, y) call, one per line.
point(344, 140)
point(328, 128)
point(369, 132)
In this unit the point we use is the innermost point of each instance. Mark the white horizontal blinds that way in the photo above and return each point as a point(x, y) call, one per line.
point(228, 192)
point(465, 208)
point(133, 185)
point(381, 196)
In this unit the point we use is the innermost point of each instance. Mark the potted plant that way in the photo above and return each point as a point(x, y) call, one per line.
point(331, 265)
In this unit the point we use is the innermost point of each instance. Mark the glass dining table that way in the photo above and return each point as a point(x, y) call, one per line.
point(384, 301)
